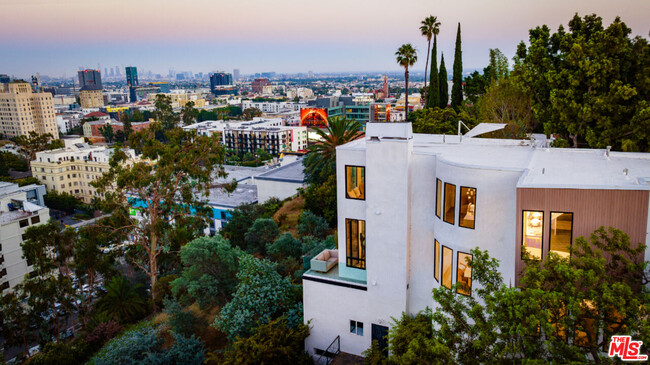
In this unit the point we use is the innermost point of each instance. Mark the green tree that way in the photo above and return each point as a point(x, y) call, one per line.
point(174, 189)
point(120, 136)
point(164, 113)
point(122, 302)
point(475, 86)
point(189, 113)
point(440, 121)
point(442, 83)
point(16, 319)
point(411, 341)
point(285, 246)
point(430, 27)
point(589, 84)
point(240, 221)
point(61, 201)
point(32, 143)
point(209, 271)
point(271, 343)
point(406, 57)
point(497, 69)
point(457, 86)
point(312, 225)
point(263, 232)
point(506, 102)
point(107, 132)
point(321, 199)
point(262, 295)
point(9, 161)
point(320, 161)
point(250, 113)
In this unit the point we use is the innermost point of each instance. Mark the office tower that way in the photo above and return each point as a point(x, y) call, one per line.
point(132, 82)
point(112, 72)
point(220, 79)
point(90, 80)
point(235, 74)
point(117, 71)
point(4, 79)
point(23, 111)
point(106, 71)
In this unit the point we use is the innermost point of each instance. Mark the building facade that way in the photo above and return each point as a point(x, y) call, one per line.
point(20, 208)
point(274, 140)
point(71, 169)
point(258, 85)
point(90, 80)
point(23, 111)
point(91, 99)
point(412, 207)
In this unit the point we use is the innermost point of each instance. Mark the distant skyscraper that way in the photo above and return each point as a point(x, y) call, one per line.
point(90, 80)
point(132, 82)
point(112, 72)
point(235, 74)
point(220, 79)
point(117, 71)
point(106, 71)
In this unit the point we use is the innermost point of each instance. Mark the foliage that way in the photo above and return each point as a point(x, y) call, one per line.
point(103, 332)
point(10, 161)
point(411, 341)
point(164, 113)
point(285, 246)
point(457, 86)
point(262, 295)
point(174, 189)
point(430, 28)
point(443, 84)
point(61, 201)
point(29, 180)
point(107, 132)
point(182, 321)
point(321, 199)
point(33, 142)
point(209, 270)
point(250, 113)
point(240, 221)
point(263, 232)
point(312, 225)
point(189, 113)
point(406, 57)
point(475, 86)
point(506, 102)
point(163, 288)
point(15, 320)
point(271, 343)
point(122, 302)
point(590, 85)
point(61, 353)
point(440, 121)
point(374, 356)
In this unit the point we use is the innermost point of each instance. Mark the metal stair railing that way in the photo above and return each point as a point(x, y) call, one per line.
point(332, 350)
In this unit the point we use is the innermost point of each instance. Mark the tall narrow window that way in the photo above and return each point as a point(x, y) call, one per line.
point(532, 233)
point(355, 233)
point(436, 260)
point(464, 273)
point(438, 198)
point(450, 203)
point(355, 182)
point(561, 233)
point(447, 264)
point(467, 207)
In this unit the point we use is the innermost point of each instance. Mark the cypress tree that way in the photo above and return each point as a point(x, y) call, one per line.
point(432, 94)
point(457, 87)
point(444, 87)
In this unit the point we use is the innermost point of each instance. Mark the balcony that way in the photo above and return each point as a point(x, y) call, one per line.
point(325, 260)
point(324, 268)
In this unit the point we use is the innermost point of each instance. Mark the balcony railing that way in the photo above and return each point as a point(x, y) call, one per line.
point(332, 350)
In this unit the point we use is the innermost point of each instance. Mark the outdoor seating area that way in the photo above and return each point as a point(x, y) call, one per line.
point(325, 260)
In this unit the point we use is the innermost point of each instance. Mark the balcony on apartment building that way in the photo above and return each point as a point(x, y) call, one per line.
point(324, 268)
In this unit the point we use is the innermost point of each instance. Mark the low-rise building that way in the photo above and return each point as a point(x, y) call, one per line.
point(71, 169)
point(274, 140)
point(92, 130)
point(20, 208)
point(282, 182)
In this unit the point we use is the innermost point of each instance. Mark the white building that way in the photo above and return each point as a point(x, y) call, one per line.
point(68, 120)
point(272, 107)
point(281, 182)
point(20, 208)
point(209, 127)
point(411, 207)
point(274, 140)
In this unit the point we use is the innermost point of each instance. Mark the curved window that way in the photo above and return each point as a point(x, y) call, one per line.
point(467, 215)
point(450, 203)
point(438, 198)
point(447, 265)
point(436, 260)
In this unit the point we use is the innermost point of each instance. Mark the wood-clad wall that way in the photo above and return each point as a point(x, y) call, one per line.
point(626, 210)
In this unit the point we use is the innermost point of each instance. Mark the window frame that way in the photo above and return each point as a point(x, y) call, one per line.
point(460, 221)
point(444, 211)
point(436, 261)
point(550, 236)
point(442, 268)
point(439, 201)
point(471, 282)
point(523, 226)
point(355, 326)
point(347, 196)
point(348, 258)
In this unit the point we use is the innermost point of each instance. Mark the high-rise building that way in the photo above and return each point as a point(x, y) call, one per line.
point(220, 79)
point(258, 85)
point(117, 71)
point(23, 111)
point(112, 72)
point(91, 98)
point(4, 79)
point(106, 71)
point(235, 74)
point(90, 80)
point(132, 82)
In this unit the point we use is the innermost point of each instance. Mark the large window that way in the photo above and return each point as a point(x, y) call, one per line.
point(438, 198)
point(532, 234)
point(447, 264)
point(561, 233)
point(436, 260)
point(467, 207)
point(464, 273)
point(355, 182)
point(450, 203)
point(355, 233)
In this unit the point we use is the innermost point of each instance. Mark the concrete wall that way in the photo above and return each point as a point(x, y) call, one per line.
point(272, 188)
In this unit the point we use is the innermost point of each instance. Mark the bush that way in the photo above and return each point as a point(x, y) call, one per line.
point(285, 246)
point(312, 225)
point(261, 233)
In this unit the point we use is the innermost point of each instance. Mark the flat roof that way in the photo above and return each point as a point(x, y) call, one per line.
point(243, 194)
point(293, 172)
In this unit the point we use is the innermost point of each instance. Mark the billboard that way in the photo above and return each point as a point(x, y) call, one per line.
point(313, 117)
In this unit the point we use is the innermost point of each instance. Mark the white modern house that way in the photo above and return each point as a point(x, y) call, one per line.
point(412, 206)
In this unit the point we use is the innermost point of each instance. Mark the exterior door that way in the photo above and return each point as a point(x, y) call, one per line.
point(380, 334)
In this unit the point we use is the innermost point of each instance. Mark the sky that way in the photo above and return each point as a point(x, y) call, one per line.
point(54, 37)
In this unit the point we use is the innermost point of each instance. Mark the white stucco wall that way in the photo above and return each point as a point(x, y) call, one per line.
point(271, 188)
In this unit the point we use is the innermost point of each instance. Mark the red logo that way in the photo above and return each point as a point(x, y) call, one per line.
point(626, 349)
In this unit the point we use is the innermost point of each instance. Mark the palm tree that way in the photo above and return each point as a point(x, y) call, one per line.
point(406, 56)
point(321, 159)
point(122, 302)
point(430, 27)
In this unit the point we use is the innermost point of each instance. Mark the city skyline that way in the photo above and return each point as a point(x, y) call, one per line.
point(287, 38)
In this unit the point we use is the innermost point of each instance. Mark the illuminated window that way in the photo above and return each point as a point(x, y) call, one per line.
point(355, 233)
point(436, 260)
point(467, 207)
point(533, 223)
point(355, 182)
point(450, 203)
point(438, 198)
point(561, 233)
point(464, 273)
point(447, 263)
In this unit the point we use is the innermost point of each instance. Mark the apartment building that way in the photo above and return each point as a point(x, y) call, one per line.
point(209, 127)
point(91, 98)
point(71, 169)
point(20, 208)
point(93, 132)
point(23, 111)
point(274, 140)
point(272, 107)
point(411, 207)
